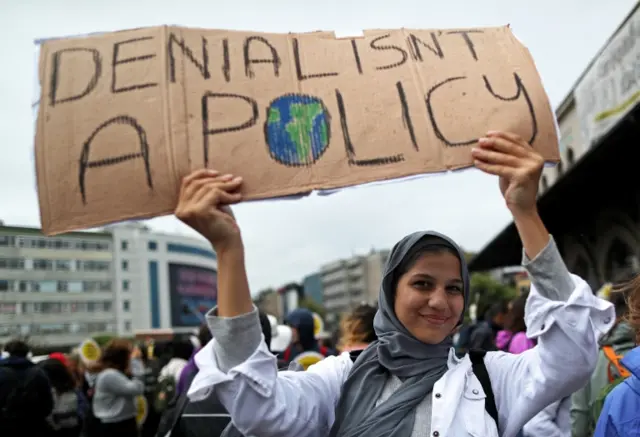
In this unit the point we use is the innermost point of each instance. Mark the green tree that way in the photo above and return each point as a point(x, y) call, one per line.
point(312, 306)
point(486, 290)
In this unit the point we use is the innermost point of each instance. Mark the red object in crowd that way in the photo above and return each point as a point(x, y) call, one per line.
point(60, 357)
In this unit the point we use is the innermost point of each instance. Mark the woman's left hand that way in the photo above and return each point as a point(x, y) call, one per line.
point(518, 166)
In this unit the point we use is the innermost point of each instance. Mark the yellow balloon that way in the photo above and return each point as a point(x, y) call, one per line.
point(308, 359)
point(318, 324)
point(90, 350)
point(141, 410)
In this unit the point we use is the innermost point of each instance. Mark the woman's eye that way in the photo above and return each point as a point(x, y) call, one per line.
point(422, 285)
point(454, 289)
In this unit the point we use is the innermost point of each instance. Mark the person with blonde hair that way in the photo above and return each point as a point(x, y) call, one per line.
point(356, 329)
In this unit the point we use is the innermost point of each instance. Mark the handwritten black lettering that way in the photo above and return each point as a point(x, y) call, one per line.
point(207, 131)
point(351, 152)
point(203, 66)
point(226, 62)
point(406, 115)
point(375, 46)
point(356, 55)
point(248, 61)
point(414, 44)
point(467, 39)
point(302, 76)
point(116, 62)
point(520, 89)
point(55, 75)
point(86, 164)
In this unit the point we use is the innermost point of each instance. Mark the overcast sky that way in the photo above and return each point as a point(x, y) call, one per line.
point(285, 240)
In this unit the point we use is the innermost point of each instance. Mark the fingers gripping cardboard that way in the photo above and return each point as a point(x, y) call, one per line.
point(125, 115)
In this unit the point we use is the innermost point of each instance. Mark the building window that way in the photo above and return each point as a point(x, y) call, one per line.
point(125, 265)
point(106, 306)
point(125, 305)
point(153, 246)
point(124, 245)
point(63, 265)
point(5, 285)
point(125, 285)
point(42, 264)
point(12, 263)
point(127, 326)
point(63, 286)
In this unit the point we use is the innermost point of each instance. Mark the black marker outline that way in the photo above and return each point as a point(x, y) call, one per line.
point(327, 115)
point(406, 115)
point(226, 61)
point(404, 53)
point(206, 132)
point(53, 80)
point(348, 145)
point(115, 62)
point(203, 66)
point(85, 164)
point(467, 40)
point(416, 54)
point(296, 57)
point(520, 90)
point(275, 57)
point(356, 55)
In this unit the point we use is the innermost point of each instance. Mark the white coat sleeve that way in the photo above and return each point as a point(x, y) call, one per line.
point(259, 399)
point(567, 320)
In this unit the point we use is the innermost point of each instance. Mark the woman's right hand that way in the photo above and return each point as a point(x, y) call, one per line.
point(204, 201)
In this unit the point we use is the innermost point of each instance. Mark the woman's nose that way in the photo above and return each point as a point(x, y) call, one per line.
point(438, 299)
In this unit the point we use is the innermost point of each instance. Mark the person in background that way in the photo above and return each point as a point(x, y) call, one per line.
point(189, 371)
point(26, 400)
point(207, 417)
point(303, 340)
point(115, 392)
point(70, 405)
point(620, 414)
point(483, 335)
point(513, 338)
point(76, 367)
point(356, 329)
point(620, 339)
point(181, 351)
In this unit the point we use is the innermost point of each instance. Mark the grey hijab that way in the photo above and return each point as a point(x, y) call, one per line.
point(396, 352)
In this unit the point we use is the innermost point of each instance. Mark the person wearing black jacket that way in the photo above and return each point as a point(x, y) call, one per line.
point(26, 399)
point(207, 417)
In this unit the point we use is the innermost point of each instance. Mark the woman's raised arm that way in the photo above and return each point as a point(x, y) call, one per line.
point(561, 314)
point(237, 363)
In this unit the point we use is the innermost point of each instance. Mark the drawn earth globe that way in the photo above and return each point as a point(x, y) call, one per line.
point(297, 130)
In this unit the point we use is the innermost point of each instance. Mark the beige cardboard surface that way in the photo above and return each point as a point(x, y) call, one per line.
point(125, 115)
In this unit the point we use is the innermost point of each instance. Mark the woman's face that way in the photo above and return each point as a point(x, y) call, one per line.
point(430, 297)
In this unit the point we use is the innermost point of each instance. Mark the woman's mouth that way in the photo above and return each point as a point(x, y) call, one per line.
point(435, 320)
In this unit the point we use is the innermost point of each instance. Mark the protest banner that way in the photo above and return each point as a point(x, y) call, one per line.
point(124, 116)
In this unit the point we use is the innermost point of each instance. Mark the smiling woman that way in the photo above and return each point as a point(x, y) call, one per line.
point(429, 298)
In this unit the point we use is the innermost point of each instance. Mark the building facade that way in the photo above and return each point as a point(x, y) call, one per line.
point(55, 290)
point(348, 283)
point(162, 281)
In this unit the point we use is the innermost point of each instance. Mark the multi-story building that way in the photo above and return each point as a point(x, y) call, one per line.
point(56, 290)
point(350, 282)
point(162, 281)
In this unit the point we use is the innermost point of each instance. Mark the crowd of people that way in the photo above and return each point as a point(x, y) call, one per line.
point(558, 361)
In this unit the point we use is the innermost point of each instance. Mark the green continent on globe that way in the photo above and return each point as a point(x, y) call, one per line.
point(300, 128)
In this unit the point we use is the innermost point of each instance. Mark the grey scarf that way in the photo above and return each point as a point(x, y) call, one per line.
point(396, 352)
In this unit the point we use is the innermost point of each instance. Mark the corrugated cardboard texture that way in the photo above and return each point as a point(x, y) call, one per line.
point(125, 115)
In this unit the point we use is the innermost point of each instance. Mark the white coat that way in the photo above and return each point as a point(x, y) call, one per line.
point(267, 403)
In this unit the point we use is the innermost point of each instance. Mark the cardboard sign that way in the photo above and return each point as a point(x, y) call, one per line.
point(125, 115)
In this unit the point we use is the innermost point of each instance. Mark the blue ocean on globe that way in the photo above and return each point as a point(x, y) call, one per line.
point(297, 129)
